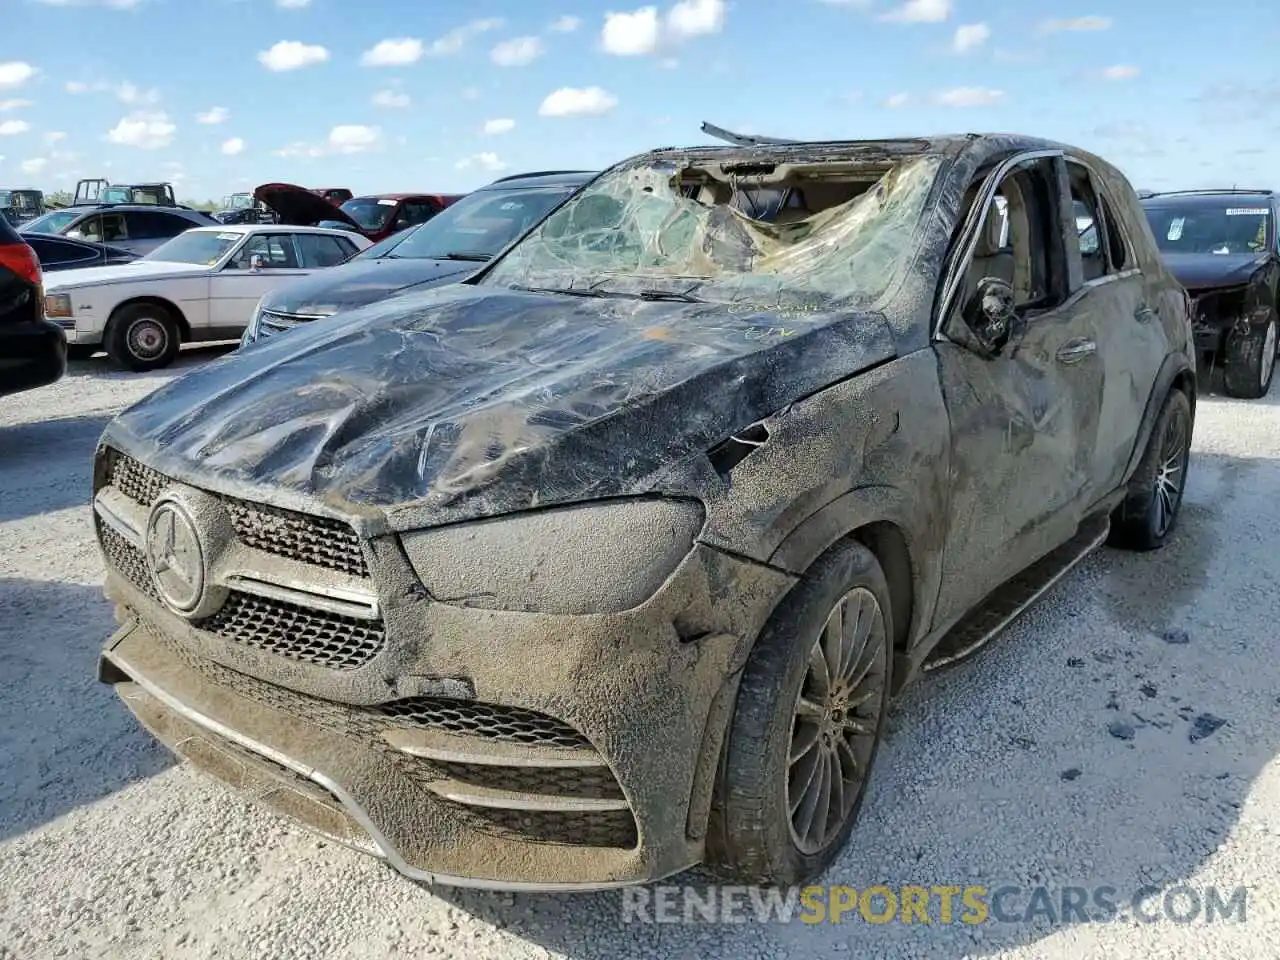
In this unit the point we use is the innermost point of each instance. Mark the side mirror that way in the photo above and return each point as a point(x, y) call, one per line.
point(256, 263)
point(990, 314)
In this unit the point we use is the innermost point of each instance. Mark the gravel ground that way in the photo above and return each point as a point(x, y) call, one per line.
point(1064, 754)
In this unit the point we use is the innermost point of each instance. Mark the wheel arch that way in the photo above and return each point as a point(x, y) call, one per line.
point(1178, 372)
point(184, 327)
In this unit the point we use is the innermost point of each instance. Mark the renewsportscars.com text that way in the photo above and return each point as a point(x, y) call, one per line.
point(933, 904)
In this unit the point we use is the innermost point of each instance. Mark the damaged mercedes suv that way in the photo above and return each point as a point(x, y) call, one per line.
point(609, 560)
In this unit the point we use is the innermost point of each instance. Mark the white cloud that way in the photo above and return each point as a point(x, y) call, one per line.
point(499, 125)
point(1121, 71)
point(292, 55)
point(396, 52)
point(695, 18)
point(566, 24)
point(299, 149)
point(483, 161)
point(54, 136)
point(35, 164)
point(1078, 24)
point(518, 52)
point(354, 138)
point(13, 105)
point(293, 4)
point(10, 128)
point(213, 115)
point(390, 99)
point(897, 100)
point(15, 73)
point(233, 146)
point(970, 37)
point(578, 102)
point(146, 131)
point(969, 97)
point(131, 94)
point(631, 34)
point(453, 41)
point(76, 86)
point(920, 11)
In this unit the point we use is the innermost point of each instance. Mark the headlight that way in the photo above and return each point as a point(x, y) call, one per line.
point(57, 305)
point(250, 334)
point(602, 557)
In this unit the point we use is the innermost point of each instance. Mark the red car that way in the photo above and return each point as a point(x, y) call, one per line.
point(377, 217)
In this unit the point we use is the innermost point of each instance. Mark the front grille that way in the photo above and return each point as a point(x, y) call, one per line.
point(614, 829)
point(320, 541)
point(298, 633)
point(315, 540)
point(579, 782)
point(311, 636)
point(508, 724)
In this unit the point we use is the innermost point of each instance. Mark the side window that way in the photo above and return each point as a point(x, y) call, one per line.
point(275, 249)
point(318, 250)
point(1019, 241)
point(1088, 222)
point(1117, 244)
point(155, 226)
point(102, 228)
point(414, 212)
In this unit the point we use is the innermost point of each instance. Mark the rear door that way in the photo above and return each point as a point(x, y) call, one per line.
point(1124, 315)
point(236, 289)
point(1024, 419)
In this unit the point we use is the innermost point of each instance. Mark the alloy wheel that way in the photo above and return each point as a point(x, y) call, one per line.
point(836, 716)
point(1171, 474)
point(1268, 355)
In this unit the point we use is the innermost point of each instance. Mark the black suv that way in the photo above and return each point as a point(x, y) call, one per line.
point(445, 249)
point(1222, 246)
point(33, 350)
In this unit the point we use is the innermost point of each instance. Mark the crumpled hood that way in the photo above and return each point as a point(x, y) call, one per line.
point(464, 402)
point(362, 282)
point(1197, 271)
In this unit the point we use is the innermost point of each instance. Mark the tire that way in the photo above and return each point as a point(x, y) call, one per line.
point(1250, 361)
point(82, 351)
point(758, 839)
point(1149, 514)
point(142, 337)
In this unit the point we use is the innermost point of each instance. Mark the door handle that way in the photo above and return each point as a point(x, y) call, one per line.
point(1076, 350)
point(1143, 314)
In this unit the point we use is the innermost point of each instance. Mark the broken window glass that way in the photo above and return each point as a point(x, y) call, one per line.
point(825, 232)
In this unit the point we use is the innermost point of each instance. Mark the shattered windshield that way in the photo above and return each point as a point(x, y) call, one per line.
point(1232, 226)
point(823, 232)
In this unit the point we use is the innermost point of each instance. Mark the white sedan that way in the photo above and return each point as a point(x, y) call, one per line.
point(200, 286)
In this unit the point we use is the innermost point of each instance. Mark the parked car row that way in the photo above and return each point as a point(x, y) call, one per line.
point(609, 558)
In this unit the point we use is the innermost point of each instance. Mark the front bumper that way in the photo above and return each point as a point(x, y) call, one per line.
point(546, 752)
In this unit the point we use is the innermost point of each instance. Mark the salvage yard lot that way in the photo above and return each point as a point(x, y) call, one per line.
point(1061, 755)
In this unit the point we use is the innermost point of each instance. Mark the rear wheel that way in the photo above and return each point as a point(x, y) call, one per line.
point(1250, 361)
point(809, 714)
point(142, 336)
point(1149, 513)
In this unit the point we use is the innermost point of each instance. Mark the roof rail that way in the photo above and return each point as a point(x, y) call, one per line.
point(538, 173)
point(1224, 191)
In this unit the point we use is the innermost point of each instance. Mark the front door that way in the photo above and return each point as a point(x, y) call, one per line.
point(1024, 412)
point(236, 289)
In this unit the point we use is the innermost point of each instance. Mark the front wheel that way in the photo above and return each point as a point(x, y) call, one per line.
point(1250, 361)
point(1149, 512)
point(142, 337)
point(807, 724)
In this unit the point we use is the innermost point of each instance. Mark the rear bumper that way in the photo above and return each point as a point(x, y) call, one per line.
point(31, 355)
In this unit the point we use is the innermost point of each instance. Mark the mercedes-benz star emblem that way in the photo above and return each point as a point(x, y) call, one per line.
point(175, 557)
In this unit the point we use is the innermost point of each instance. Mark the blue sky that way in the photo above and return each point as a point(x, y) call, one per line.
point(386, 95)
